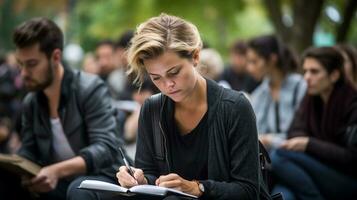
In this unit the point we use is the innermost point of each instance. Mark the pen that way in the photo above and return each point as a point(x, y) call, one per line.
point(131, 172)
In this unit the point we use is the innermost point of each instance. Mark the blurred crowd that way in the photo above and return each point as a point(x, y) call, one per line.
point(280, 84)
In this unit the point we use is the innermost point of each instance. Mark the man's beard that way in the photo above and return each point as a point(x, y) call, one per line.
point(43, 85)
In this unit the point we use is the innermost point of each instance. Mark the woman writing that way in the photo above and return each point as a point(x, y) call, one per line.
point(209, 137)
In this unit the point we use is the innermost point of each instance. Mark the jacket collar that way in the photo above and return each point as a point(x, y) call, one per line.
point(214, 96)
point(65, 90)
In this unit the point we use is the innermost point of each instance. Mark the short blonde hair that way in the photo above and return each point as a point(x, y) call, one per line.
point(158, 35)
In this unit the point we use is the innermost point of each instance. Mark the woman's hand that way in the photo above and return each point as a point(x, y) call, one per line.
point(126, 180)
point(174, 181)
point(298, 144)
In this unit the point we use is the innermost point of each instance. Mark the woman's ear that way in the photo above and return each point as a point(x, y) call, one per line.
point(335, 75)
point(196, 57)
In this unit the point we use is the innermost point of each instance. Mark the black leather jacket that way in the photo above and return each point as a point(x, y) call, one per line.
point(87, 118)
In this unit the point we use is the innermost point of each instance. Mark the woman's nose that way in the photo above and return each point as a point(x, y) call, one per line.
point(169, 83)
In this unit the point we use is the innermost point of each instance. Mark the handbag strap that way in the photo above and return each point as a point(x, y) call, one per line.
point(155, 107)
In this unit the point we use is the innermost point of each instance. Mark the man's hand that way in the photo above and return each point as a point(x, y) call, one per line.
point(174, 181)
point(126, 180)
point(298, 144)
point(45, 181)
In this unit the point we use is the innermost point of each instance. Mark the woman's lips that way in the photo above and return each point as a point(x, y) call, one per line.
point(174, 92)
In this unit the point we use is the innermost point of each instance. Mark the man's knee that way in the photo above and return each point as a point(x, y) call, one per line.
point(74, 193)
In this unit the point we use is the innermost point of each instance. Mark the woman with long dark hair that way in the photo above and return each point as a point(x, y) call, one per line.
point(319, 160)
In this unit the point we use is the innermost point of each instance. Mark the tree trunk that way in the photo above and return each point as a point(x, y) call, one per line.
point(275, 14)
point(305, 16)
point(348, 15)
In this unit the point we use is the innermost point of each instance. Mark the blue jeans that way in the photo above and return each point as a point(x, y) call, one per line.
point(307, 178)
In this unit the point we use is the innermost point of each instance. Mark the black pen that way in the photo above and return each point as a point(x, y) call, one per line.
point(131, 172)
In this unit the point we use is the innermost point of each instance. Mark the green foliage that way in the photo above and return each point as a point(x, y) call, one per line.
point(219, 22)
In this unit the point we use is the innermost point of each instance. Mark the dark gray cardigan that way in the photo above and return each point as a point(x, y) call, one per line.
point(233, 161)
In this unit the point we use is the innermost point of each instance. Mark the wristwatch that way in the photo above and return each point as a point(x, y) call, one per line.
point(201, 187)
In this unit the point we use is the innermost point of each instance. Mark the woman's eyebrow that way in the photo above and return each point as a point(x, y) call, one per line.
point(169, 70)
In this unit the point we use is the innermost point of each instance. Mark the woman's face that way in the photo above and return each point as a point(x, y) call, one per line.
point(175, 77)
point(256, 65)
point(317, 78)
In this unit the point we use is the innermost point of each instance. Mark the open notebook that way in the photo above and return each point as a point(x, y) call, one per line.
point(139, 189)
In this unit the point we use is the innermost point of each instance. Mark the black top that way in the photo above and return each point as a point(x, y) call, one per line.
point(189, 152)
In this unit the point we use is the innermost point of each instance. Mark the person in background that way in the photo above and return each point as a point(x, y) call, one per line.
point(209, 141)
point(5, 134)
point(11, 59)
point(121, 48)
point(104, 53)
point(11, 93)
point(68, 124)
point(89, 64)
point(276, 99)
point(211, 64)
point(319, 159)
point(140, 94)
point(118, 79)
point(349, 54)
point(235, 76)
point(106, 62)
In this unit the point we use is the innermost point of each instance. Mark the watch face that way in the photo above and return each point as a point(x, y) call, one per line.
point(201, 187)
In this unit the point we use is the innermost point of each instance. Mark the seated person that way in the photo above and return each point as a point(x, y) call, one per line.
point(276, 99)
point(206, 143)
point(5, 133)
point(319, 160)
point(10, 105)
point(235, 75)
point(68, 124)
point(211, 64)
point(140, 94)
